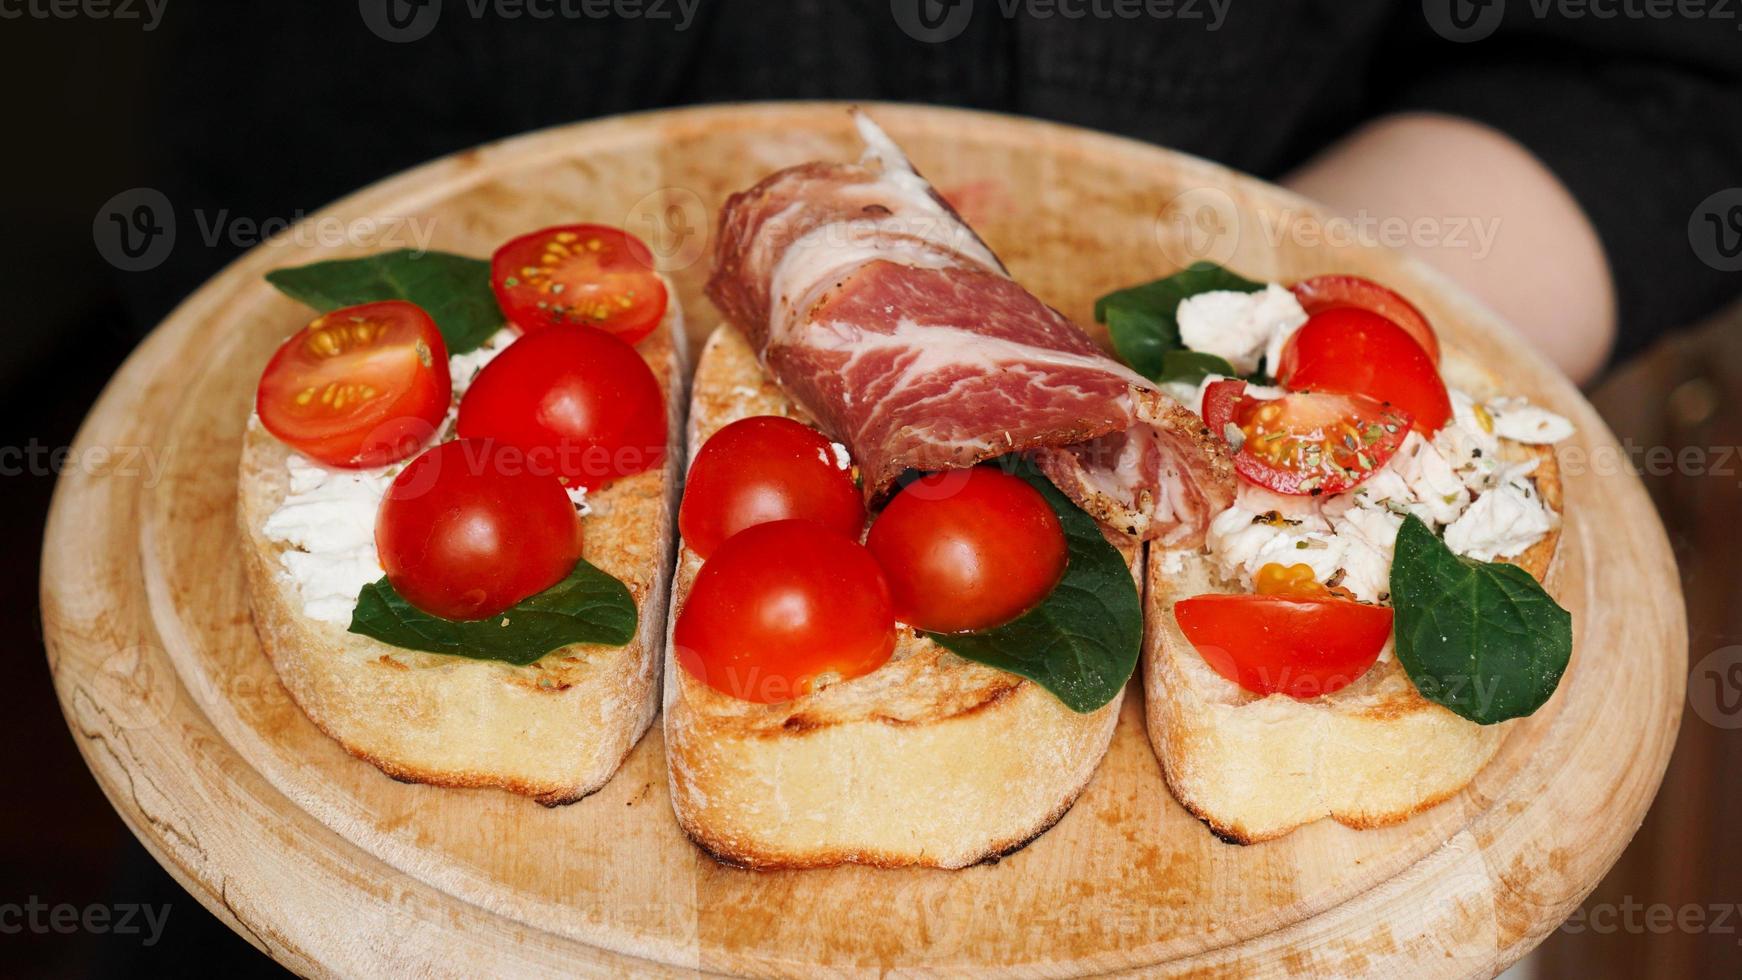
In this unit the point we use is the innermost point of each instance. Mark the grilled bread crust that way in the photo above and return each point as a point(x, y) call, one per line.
point(930, 760)
point(1371, 754)
point(555, 730)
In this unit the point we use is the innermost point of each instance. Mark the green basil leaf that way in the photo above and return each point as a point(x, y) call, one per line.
point(1193, 366)
point(453, 289)
point(1142, 320)
point(1081, 642)
point(1482, 638)
point(588, 606)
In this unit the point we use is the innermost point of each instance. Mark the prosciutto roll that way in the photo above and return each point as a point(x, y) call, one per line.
point(883, 315)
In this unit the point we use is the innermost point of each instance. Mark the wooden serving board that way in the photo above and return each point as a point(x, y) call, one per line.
point(332, 868)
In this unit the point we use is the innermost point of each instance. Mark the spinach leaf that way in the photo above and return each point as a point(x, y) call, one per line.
point(1145, 329)
point(588, 606)
point(1081, 642)
point(1192, 366)
point(1482, 638)
point(453, 289)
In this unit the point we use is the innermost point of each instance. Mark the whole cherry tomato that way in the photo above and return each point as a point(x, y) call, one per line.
point(466, 530)
point(582, 404)
point(766, 468)
point(781, 608)
point(968, 549)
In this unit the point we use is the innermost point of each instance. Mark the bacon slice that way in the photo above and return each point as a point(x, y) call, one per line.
point(882, 314)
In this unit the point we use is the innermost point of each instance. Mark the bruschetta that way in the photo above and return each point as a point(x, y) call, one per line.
point(905, 608)
point(1365, 616)
point(518, 646)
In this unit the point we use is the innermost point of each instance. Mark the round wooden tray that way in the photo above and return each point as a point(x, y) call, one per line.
point(332, 868)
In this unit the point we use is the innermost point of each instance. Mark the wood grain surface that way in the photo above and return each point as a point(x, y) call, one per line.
point(332, 868)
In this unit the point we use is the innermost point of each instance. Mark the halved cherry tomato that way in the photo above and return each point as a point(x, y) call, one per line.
point(761, 469)
point(590, 275)
point(467, 530)
point(581, 403)
point(1322, 293)
point(1294, 637)
point(782, 608)
point(1303, 442)
point(1356, 352)
point(360, 386)
point(968, 549)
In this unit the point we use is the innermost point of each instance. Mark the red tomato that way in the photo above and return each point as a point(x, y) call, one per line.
point(1322, 293)
point(362, 386)
point(968, 549)
point(780, 608)
point(761, 469)
point(1355, 352)
point(1304, 442)
point(1293, 637)
point(581, 403)
point(590, 275)
point(466, 530)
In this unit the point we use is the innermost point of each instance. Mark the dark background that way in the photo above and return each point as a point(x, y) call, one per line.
point(268, 111)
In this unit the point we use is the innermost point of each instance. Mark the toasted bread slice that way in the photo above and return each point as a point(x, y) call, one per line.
point(554, 730)
point(929, 760)
point(1371, 754)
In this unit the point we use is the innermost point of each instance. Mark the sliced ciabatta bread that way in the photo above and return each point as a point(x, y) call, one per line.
point(1373, 753)
point(556, 729)
point(929, 760)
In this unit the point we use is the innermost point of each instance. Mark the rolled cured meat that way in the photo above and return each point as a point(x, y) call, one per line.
point(883, 315)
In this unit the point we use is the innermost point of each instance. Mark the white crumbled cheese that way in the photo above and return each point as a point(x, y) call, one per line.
point(328, 515)
point(328, 519)
point(1369, 535)
point(1436, 494)
point(1520, 421)
point(1504, 521)
point(1469, 445)
point(843, 459)
point(1240, 327)
point(1488, 508)
point(579, 496)
point(1242, 541)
